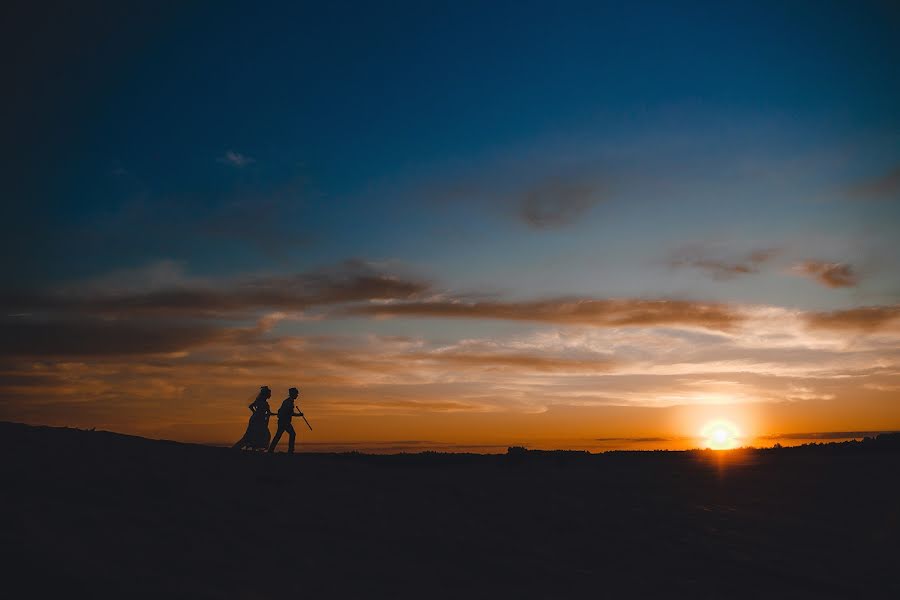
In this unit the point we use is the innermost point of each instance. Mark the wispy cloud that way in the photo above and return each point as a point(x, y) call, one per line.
point(98, 337)
point(272, 220)
point(164, 291)
point(519, 361)
point(632, 439)
point(153, 275)
point(557, 201)
point(600, 313)
point(235, 159)
point(351, 281)
point(829, 274)
point(863, 319)
point(122, 368)
point(881, 187)
point(115, 347)
point(719, 268)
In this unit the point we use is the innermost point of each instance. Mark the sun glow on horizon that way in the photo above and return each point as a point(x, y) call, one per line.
point(720, 435)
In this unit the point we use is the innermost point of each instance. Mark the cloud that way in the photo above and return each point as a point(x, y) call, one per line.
point(90, 336)
point(95, 337)
point(865, 319)
point(235, 159)
point(410, 406)
point(153, 275)
point(885, 186)
point(267, 217)
point(352, 281)
point(598, 313)
point(140, 370)
point(521, 361)
point(115, 348)
point(158, 309)
point(632, 439)
point(272, 220)
point(557, 201)
point(720, 269)
point(829, 274)
point(800, 392)
point(353, 288)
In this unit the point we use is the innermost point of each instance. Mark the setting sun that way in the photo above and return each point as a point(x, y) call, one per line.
point(720, 435)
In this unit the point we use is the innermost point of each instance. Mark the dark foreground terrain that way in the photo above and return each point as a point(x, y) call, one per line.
point(99, 514)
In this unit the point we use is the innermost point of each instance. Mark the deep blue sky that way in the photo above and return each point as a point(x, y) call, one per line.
point(362, 118)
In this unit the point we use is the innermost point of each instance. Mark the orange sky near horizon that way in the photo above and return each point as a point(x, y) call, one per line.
point(389, 394)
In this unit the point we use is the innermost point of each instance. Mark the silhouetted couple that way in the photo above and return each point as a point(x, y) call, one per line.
point(257, 435)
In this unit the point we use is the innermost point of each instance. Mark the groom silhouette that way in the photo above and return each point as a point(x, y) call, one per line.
point(284, 420)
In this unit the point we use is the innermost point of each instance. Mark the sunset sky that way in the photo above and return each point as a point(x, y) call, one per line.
point(454, 225)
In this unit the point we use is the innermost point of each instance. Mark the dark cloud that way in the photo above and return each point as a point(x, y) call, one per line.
point(557, 201)
point(720, 269)
point(864, 319)
point(600, 313)
point(885, 186)
point(353, 281)
point(92, 319)
point(66, 336)
point(829, 274)
point(24, 379)
point(95, 337)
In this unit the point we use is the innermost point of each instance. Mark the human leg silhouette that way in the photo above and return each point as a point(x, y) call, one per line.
point(277, 438)
point(292, 436)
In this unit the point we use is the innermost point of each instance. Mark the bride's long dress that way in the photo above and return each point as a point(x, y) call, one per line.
point(257, 436)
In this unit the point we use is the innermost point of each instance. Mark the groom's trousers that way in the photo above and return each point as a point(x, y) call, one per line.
point(292, 436)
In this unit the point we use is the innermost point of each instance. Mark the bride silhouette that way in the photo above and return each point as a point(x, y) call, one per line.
point(257, 435)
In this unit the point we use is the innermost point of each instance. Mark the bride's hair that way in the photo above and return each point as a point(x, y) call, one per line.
point(264, 393)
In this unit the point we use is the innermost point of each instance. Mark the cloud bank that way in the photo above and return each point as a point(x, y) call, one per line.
point(161, 346)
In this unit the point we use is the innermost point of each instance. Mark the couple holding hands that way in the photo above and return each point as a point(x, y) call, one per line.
point(257, 435)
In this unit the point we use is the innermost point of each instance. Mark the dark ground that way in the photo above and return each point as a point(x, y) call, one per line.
point(101, 514)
